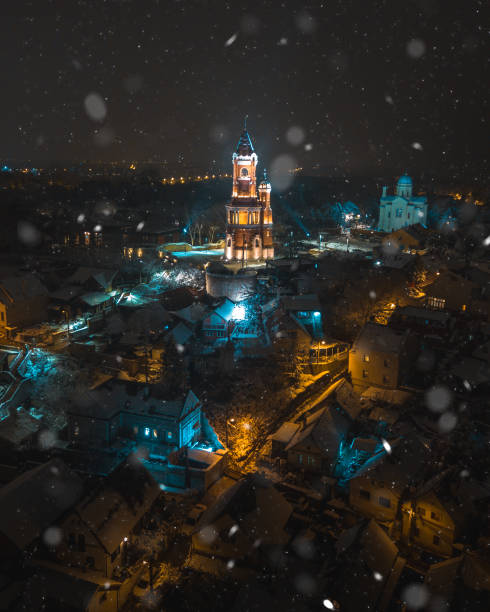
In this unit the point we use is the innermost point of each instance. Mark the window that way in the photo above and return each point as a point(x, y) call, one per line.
point(434, 516)
point(300, 458)
point(408, 216)
point(399, 212)
point(90, 561)
point(387, 363)
point(436, 540)
point(81, 543)
point(364, 494)
point(155, 433)
point(416, 532)
point(71, 540)
point(384, 501)
point(229, 242)
point(147, 431)
point(244, 172)
point(257, 242)
point(76, 430)
point(135, 430)
point(2, 315)
point(114, 554)
point(311, 460)
point(365, 358)
point(438, 303)
point(169, 435)
point(365, 373)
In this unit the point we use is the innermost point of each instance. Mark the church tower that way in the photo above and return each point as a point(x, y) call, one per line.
point(249, 214)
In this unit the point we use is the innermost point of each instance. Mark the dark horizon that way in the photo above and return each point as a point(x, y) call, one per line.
point(324, 85)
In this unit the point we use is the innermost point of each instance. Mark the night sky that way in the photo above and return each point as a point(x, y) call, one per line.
point(371, 85)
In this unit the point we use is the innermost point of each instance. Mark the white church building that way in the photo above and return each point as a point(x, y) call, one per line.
point(403, 208)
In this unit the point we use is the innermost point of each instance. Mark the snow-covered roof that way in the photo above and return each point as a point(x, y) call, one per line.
point(374, 337)
point(308, 302)
point(181, 333)
point(113, 511)
point(193, 313)
point(326, 428)
point(95, 298)
point(225, 309)
point(20, 288)
point(102, 276)
point(36, 499)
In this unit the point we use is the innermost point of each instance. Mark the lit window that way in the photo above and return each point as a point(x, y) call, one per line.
point(365, 373)
point(135, 429)
point(155, 433)
point(169, 435)
point(463, 307)
point(300, 458)
point(76, 430)
point(147, 431)
point(365, 358)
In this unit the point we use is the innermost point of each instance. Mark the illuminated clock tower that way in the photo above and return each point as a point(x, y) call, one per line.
point(249, 214)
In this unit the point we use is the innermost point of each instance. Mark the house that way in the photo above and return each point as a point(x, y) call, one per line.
point(451, 291)
point(93, 279)
point(307, 310)
point(412, 239)
point(314, 446)
point(23, 301)
point(288, 335)
point(381, 356)
point(376, 489)
point(98, 532)
point(34, 501)
point(117, 410)
point(55, 587)
point(426, 322)
point(218, 322)
point(195, 468)
point(370, 569)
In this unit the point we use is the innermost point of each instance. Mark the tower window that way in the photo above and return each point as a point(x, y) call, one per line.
point(256, 242)
point(244, 172)
point(229, 242)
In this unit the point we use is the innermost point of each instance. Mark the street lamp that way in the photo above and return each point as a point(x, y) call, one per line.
point(66, 312)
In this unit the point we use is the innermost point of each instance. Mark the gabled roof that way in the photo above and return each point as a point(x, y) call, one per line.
point(20, 288)
point(193, 313)
point(181, 333)
point(224, 310)
point(113, 511)
point(37, 499)
point(308, 303)
point(102, 276)
point(325, 429)
point(374, 337)
point(95, 298)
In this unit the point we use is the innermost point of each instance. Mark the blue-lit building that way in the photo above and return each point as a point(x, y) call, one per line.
point(102, 416)
point(402, 208)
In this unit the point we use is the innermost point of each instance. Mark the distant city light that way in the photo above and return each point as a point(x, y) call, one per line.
point(317, 314)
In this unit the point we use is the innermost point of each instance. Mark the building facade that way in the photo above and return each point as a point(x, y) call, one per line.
point(402, 208)
point(249, 214)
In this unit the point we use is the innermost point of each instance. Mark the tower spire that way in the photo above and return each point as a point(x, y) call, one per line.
point(245, 123)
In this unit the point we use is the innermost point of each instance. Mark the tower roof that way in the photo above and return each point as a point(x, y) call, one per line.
point(404, 180)
point(245, 146)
